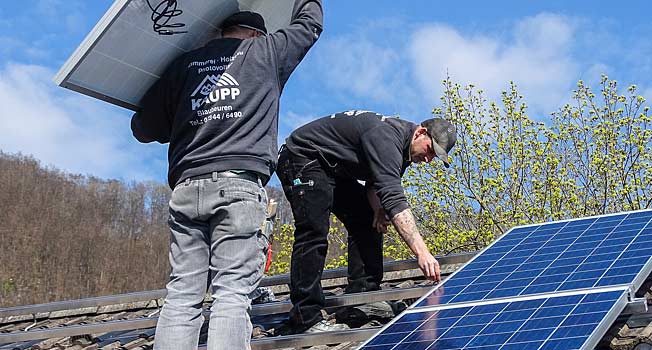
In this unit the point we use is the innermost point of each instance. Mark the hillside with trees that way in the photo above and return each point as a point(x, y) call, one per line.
point(67, 236)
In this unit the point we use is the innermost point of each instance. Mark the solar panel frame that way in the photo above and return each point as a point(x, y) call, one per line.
point(481, 290)
point(512, 327)
point(123, 82)
point(85, 48)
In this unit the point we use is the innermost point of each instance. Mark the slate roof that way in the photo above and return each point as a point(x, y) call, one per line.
point(632, 332)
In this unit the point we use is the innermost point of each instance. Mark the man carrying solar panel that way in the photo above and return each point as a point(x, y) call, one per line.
point(319, 167)
point(218, 106)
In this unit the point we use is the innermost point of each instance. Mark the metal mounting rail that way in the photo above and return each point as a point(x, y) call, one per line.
point(345, 300)
point(82, 303)
point(301, 340)
point(160, 293)
point(390, 266)
point(257, 310)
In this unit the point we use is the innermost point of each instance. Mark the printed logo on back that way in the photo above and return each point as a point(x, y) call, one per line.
point(215, 88)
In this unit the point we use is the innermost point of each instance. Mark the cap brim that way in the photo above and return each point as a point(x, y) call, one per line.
point(440, 152)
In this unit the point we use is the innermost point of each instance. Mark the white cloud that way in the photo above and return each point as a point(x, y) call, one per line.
point(537, 59)
point(362, 72)
point(404, 75)
point(546, 34)
point(647, 94)
point(289, 122)
point(359, 66)
point(9, 45)
point(70, 131)
point(594, 73)
point(67, 12)
point(294, 120)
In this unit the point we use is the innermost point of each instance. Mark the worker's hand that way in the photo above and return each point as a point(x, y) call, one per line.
point(429, 266)
point(380, 220)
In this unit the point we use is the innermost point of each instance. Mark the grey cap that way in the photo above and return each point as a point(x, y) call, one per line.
point(443, 134)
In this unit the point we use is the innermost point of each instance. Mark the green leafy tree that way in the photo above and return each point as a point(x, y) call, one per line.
point(283, 238)
point(593, 156)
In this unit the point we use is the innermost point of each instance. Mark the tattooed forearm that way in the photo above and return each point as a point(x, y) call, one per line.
point(407, 227)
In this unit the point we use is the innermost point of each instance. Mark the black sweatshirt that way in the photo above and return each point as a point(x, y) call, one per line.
point(360, 145)
point(218, 105)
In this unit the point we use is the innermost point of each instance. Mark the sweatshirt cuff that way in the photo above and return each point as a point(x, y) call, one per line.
point(397, 209)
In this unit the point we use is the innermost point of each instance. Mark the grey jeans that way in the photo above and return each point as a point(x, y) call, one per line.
point(216, 242)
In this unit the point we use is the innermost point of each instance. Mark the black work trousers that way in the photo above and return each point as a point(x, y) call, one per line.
point(314, 192)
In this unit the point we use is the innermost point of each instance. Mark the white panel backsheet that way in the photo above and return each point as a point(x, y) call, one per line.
point(122, 56)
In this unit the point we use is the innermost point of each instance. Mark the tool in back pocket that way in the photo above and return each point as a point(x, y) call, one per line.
point(268, 229)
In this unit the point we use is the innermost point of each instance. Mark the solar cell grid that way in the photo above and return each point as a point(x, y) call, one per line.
point(593, 252)
point(547, 323)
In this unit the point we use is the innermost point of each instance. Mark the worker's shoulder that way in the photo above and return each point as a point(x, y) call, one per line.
point(390, 130)
point(384, 121)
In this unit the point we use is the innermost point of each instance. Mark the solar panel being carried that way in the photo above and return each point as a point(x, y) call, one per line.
point(591, 252)
point(124, 54)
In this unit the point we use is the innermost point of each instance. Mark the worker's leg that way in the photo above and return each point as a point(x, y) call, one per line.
point(311, 198)
point(237, 209)
point(181, 319)
point(365, 244)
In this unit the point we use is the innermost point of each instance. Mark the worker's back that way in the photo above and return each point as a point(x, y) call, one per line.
point(221, 101)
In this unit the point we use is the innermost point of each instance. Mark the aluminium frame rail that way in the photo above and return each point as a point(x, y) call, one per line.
point(359, 334)
point(160, 293)
point(258, 309)
point(637, 307)
point(304, 340)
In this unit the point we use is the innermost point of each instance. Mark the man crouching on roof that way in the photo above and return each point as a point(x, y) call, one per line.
point(319, 168)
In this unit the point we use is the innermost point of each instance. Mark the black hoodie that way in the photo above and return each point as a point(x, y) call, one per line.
point(218, 105)
point(360, 145)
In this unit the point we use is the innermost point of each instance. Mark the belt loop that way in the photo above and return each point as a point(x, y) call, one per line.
point(187, 182)
point(214, 174)
point(260, 181)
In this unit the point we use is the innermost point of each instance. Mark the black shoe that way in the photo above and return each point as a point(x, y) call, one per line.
point(284, 329)
point(359, 315)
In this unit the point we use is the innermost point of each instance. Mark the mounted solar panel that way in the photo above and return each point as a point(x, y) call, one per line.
point(559, 256)
point(572, 320)
point(554, 286)
point(124, 54)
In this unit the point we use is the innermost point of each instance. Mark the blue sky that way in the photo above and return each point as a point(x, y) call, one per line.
point(385, 56)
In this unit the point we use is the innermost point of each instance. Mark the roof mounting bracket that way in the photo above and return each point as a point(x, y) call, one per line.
point(636, 306)
point(31, 325)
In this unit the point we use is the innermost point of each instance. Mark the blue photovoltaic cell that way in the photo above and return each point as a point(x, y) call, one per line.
point(547, 323)
point(559, 256)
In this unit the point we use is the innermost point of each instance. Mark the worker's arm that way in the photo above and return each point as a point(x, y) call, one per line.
point(406, 226)
point(383, 151)
point(153, 121)
point(382, 148)
point(291, 43)
point(380, 222)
